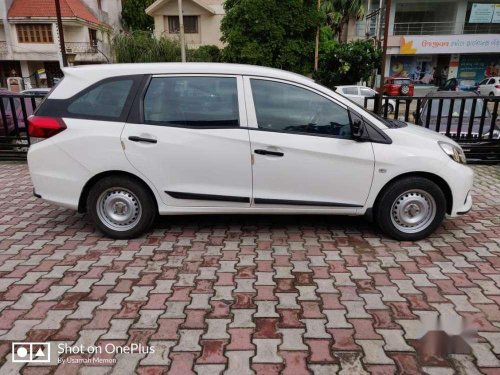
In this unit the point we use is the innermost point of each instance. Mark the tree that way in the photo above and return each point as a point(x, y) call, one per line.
point(134, 16)
point(275, 33)
point(346, 63)
point(338, 13)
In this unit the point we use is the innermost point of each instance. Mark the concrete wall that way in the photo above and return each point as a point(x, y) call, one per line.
point(208, 23)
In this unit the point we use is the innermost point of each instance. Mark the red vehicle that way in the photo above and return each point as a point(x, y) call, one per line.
point(399, 87)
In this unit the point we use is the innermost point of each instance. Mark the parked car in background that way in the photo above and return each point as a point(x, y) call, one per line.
point(454, 84)
point(36, 91)
point(468, 113)
point(127, 142)
point(9, 100)
point(399, 87)
point(489, 86)
point(39, 93)
point(358, 94)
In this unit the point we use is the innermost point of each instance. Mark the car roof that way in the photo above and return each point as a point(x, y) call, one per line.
point(451, 94)
point(112, 70)
point(78, 77)
point(355, 86)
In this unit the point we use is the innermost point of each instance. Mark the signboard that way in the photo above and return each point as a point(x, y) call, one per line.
point(435, 44)
point(477, 67)
point(481, 13)
point(496, 14)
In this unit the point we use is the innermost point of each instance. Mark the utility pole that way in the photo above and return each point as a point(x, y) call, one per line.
point(316, 50)
point(181, 32)
point(384, 55)
point(61, 33)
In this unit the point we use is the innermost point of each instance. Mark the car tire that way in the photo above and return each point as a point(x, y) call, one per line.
point(390, 108)
point(410, 209)
point(492, 94)
point(121, 207)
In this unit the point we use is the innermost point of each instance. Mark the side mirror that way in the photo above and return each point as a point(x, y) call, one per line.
point(357, 128)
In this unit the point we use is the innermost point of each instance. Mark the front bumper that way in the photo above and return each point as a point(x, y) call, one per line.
point(467, 205)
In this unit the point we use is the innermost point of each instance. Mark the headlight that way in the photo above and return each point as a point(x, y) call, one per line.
point(496, 134)
point(454, 152)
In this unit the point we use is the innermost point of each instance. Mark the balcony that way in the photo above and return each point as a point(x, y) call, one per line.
point(80, 47)
point(444, 28)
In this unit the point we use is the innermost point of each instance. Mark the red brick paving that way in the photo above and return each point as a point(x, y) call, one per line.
point(251, 294)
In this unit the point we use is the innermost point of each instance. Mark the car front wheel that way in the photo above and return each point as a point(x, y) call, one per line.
point(121, 207)
point(410, 209)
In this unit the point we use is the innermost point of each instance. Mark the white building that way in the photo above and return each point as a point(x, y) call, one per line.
point(29, 40)
point(202, 19)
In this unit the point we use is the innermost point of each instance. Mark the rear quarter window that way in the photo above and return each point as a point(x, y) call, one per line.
point(105, 100)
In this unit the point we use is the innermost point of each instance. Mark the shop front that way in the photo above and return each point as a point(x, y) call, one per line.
point(429, 60)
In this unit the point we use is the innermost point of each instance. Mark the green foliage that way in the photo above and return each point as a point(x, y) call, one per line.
point(141, 46)
point(204, 54)
point(346, 63)
point(338, 13)
point(275, 33)
point(134, 17)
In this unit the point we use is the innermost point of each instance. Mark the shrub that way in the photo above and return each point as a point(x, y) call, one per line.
point(346, 63)
point(204, 54)
point(142, 46)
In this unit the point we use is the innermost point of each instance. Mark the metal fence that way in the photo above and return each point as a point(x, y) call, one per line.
point(472, 121)
point(14, 112)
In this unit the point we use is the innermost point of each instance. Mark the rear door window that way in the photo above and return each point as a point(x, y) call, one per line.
point(367, 92)
point(350, 91)
point(199, 102)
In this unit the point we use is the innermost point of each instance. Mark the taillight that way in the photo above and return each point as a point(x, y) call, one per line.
point(45, 127)
point(497, 86)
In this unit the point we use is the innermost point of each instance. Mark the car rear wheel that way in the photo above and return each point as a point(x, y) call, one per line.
point(390, 108)
point(410, 209)
point(121, 207)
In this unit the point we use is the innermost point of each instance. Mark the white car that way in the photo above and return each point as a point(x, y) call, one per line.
point(490, 86)
point(126, 142)
point(358, 94)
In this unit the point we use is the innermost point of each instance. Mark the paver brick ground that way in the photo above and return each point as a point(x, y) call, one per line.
point(250, 294)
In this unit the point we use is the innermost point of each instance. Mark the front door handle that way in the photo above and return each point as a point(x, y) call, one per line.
point(134, 138)
point(269, 153)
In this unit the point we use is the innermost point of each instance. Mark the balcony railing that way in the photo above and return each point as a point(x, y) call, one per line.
point(80, 47)
point(444, 28)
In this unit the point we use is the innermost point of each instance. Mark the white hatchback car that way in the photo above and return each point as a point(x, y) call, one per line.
point(358, 94)
point(126, 142)
point(490, 86)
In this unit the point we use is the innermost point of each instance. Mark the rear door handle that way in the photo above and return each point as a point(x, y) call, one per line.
point(134, 138)
point(269, 153)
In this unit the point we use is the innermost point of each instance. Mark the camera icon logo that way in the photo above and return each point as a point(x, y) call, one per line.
point(31, 352)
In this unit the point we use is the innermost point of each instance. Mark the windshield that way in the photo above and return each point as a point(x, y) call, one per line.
point(456, 108)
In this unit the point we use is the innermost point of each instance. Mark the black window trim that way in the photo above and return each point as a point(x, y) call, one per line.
point(139, 102)
point(59, 107)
